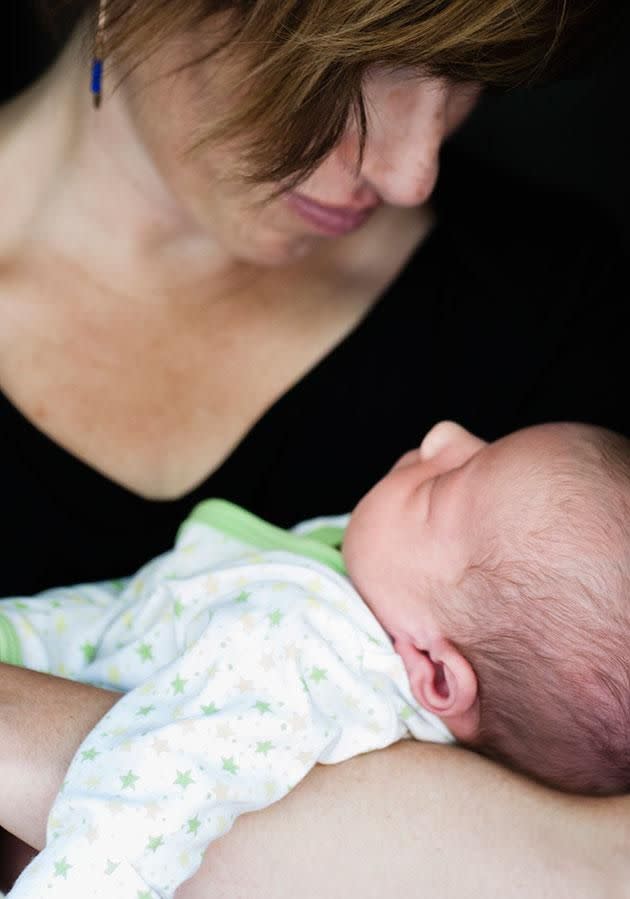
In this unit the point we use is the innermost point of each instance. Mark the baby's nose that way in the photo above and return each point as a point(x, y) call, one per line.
point(440, 435)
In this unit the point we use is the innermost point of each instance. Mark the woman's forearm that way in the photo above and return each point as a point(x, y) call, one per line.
point(43, 721)
point(410, 819)
point(418, 820)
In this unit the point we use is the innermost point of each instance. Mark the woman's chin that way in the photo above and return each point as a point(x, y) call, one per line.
point(279, 250)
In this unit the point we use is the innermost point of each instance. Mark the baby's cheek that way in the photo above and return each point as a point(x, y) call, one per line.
point(358, 549)
point(351, 546)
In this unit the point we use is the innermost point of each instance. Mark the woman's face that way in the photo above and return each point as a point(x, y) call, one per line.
point(408, 118)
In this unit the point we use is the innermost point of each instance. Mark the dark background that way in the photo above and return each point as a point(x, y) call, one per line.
point(570, 135)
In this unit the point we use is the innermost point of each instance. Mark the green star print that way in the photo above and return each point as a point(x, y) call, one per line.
point(318, 674)
point(129, 780)
point(193, 825)
point(145, 651)
point(155, 843)
point(183, 779)
point(265, 747)
point(229, 764)
point(89, 652)
point(89, 755)
point(61, 868)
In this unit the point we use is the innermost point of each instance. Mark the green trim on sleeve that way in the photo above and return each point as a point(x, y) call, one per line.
point(10, 646)
point(235, 522)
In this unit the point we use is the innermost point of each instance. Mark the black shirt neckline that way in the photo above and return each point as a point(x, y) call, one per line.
point(100, 495)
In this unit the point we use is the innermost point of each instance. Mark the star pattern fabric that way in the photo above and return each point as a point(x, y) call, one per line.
point(243, 670)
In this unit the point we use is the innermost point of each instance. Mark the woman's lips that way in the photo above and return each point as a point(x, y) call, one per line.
point(329, 219)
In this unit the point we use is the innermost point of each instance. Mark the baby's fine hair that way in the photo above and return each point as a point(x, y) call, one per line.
point(546, 618)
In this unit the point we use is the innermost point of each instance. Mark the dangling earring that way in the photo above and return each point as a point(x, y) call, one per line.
point(99, 54)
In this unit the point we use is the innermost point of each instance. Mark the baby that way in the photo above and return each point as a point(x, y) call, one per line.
point(502, 574)
point(498, 571)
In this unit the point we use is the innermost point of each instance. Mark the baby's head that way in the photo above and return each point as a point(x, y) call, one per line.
point(502, 573)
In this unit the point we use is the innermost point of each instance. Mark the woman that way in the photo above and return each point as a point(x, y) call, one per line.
point(184, 314)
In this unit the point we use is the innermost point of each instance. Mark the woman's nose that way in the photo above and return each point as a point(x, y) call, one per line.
point(407, 123)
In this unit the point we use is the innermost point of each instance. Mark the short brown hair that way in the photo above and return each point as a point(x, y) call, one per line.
point(308, 58)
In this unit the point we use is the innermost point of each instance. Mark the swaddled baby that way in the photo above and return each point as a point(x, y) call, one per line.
point(498, 571)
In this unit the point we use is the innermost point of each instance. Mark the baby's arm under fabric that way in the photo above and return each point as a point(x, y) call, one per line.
point(176, 760)
point(413, 819)
point(77, 631)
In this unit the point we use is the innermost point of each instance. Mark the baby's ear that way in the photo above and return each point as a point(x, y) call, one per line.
point(449, 437)
point(444, 683)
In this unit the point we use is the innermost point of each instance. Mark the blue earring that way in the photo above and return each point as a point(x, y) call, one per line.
point(97, 61)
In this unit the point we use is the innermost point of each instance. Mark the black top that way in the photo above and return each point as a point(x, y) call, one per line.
point(506, 316)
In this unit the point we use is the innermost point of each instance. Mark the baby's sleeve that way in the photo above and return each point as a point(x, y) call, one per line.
point(58, 631)
point(96, 633)
point(230, 726)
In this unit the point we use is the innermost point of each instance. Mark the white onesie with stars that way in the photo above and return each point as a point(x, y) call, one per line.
point(244, 668)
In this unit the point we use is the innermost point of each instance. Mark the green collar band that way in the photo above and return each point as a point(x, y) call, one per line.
point(10, 649)
point(233, 521)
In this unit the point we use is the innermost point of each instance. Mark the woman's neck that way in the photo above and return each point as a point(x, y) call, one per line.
point(95, 204)
point(95, 196)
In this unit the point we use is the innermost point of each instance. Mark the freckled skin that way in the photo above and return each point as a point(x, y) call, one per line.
point(149, 122)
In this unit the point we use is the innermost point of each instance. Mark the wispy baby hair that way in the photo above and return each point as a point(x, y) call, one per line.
point(545, 616)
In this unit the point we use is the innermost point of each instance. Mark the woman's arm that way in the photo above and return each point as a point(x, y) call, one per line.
point(422, 820)
point(43, 721)
point(399, 822)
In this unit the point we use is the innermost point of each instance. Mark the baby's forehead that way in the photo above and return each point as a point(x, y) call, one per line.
point(553, 489)
point(555, 515)
point(526, 476)
point(539, 451)
point(541, 441)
